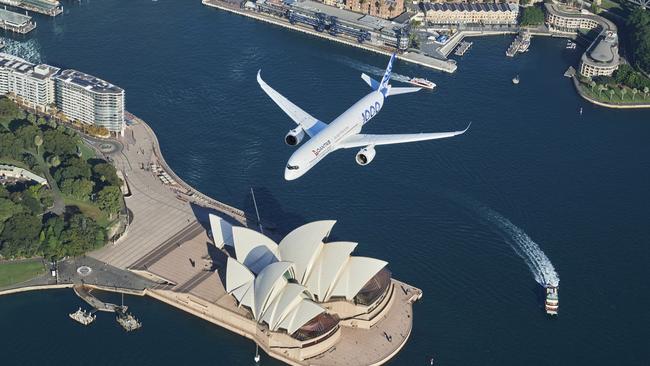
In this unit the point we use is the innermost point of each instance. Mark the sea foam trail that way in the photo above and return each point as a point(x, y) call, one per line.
point(524, 246)
point(372, 70)
point(538, 263)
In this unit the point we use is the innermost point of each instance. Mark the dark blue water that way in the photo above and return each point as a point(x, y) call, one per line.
point(579, 186)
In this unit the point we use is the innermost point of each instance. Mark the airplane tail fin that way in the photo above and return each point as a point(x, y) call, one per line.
point(383, 86)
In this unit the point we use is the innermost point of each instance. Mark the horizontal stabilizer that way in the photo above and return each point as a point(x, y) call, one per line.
point(374, 84)
point(402, 90)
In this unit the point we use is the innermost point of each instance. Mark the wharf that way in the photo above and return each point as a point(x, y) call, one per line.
point(463, 48)
point(519, 44)
point(16, 22)
point(85, 294)
point(412, 57)
point(51, 8)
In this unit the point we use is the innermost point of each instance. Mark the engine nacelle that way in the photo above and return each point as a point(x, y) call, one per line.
point(294, 137)
point(365, 155)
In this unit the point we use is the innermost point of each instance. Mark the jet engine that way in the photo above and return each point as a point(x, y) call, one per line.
point(294, 137)
point(365, 155)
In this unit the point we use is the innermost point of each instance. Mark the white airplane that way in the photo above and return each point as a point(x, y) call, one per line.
point(345, 131)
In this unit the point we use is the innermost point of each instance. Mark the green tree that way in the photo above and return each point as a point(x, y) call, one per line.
point(108, 199)
point(72, 167)
point(611, 94)
point(53, 161)
point(592, 84)
point(77, 188)
point(26, 135)
point(20, 235)
point(56, 142)
point(532, 16)
point(106, 174)
point(635, 91)
point(623, 92)
point(646, 90)
point(638, 23)
point(38, 141)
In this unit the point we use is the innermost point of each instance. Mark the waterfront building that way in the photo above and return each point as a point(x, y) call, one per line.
point(47, 7)
point(10, 172)
point(601, 57)
point(466, 13)
point(303, 289)
point(30, 85)
point(90, 100)
point(386, 9)
point(16, 22)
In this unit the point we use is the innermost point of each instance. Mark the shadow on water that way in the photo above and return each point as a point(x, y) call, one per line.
point(274, 216)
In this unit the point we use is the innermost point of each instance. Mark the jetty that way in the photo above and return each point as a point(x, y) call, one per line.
point(16, 22)
point(84, 293)
point(520, 44)
point(47, 7)
point(463, 47)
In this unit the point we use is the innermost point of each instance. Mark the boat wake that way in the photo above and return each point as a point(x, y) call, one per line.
point(538, 263)
point(29, 50)
point(372, 70)
point(524, 246)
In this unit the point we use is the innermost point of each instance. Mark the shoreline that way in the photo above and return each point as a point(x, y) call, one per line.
point(426, 61)
point(586, 97)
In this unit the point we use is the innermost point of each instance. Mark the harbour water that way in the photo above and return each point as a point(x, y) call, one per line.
point(578, 185)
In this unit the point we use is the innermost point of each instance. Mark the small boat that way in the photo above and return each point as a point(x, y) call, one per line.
point(515, 80)
point(423, 83)
point(552, 302)
point(82, 316)
point(581, 111)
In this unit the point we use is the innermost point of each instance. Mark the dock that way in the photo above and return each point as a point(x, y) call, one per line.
point(85, 294)
point(520, 44)
point(46, 7)
point(462, 48)
point(16, 22)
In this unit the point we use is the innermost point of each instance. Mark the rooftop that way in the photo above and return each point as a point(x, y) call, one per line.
point(14, 19)
point(43, 4)
point(22, 66)
point(466, 7)
point(88, 82)
point(363, 20)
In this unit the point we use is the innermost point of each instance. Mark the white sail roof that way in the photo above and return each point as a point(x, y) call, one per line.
point(221, 231)
point(269, 283)
point(239, 283)
point(331, 262)
point(358, 271)
point(253, 249)
point(300, 315)
point(303, 245)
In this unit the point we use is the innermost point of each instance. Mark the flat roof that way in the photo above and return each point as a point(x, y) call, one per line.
point(17, 64)
point(13, 18)
point(364, 20)
point(467, 7)
point(48, 5)
point(88, 82)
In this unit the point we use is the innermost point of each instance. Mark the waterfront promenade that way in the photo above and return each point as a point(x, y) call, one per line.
point(166, 254)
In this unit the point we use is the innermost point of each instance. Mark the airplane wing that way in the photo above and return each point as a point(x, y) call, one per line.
point(309, 124)
point(365, 140)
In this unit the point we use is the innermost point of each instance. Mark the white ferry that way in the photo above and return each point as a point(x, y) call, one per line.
point(552, 303)
point(423, 83)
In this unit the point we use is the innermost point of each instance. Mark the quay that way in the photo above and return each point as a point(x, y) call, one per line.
point(47, 7)
point(85, 294)
point(16, 22)
point(281, 20)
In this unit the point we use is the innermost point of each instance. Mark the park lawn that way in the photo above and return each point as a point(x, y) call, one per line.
point(87, 208)
point(608, 4)
point(16, 272)
point(86, 151)
point(9, 161)
point(616, 98)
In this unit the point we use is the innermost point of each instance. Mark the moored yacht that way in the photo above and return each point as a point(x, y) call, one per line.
point(423, 83)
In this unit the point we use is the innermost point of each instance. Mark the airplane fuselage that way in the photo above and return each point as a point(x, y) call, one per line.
point(326, 141)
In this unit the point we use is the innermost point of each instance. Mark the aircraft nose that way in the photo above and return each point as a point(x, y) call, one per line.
point(289, 175)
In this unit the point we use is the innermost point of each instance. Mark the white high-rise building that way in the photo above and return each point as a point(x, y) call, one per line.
point(32, 84)
point(90, 100)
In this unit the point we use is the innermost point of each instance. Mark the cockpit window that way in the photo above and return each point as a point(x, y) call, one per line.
point(293, 167)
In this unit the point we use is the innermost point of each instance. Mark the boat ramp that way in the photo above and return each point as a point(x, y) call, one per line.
point(84, 293)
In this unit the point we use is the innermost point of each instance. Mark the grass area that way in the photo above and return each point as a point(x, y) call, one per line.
point(609, 4)
point(89, 209)
point(9, 161)
point(618, 97)
point(86, 151)
point(16, 272)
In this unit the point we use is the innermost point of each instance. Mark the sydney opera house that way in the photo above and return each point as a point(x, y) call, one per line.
point(304, 292)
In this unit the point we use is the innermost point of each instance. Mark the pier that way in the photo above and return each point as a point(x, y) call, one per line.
point(85, 294)
point(16, 22)
point(51, 8)
point(463, 48)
